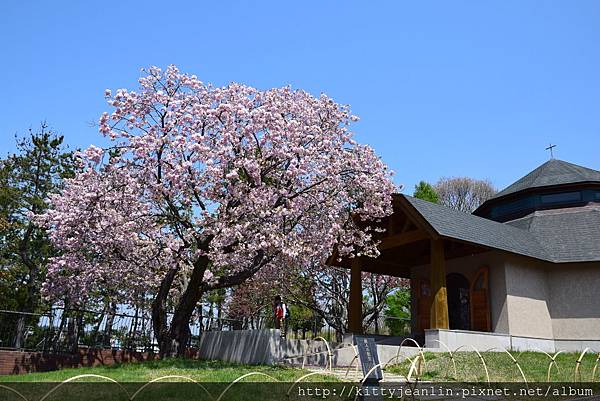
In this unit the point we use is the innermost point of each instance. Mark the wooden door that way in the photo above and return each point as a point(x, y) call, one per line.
point(423, 297)
point(480, 304)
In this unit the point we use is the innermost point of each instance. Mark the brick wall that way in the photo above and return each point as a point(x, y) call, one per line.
point(18, 362)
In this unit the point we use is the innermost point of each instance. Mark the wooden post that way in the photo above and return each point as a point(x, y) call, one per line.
point(355, 302)
point(439, 303)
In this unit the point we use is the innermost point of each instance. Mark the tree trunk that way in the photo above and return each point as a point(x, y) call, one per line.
point(159, 312)
point(220, 315)
point(72, 332)
point(80, 327)
point(20, 332)
point(32, 282)
point(61, 326)
point(110, 319)
point(209, 320)
point(179, 333)
point(339, 335)
point(94, 338)
point(133, 330)
point(174, 341)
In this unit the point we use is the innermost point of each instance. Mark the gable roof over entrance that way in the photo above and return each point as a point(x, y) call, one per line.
point(454, 224)
point(545, 235)
point(558, 221)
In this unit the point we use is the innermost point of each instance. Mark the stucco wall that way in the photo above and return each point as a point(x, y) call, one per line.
point(535, 299)
point(575, 301)
point(498, 299)
point(547, 300)
point(527, 298)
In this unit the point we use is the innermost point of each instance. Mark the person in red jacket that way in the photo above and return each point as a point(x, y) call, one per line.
point(278, 313)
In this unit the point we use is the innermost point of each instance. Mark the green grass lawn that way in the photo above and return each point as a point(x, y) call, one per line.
point(501, 368)
point(203, 371)
point(264, 383)
point(269, 382)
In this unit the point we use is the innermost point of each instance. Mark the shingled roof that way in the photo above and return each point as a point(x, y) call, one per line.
point(459, 225)
point(554, 237)
point(567, 235)
point(553, 172)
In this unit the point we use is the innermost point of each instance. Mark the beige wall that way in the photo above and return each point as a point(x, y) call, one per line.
point(498, 299)
point(575, 301)
point(548, 300)
point(527, 295)
point(532, 298)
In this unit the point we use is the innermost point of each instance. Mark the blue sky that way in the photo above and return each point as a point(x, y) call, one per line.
point(444, 88)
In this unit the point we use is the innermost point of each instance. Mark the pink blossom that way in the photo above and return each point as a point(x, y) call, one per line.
point(248, 179)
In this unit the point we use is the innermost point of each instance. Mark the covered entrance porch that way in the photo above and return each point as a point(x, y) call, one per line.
point(413, 248)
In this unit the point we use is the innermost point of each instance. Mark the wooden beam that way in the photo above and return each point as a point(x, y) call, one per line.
point(391, 229)
point(379, 266)
point(402, 204)
point(405, 225)
point(355, 301)
point(439, 305)
point(402, 239)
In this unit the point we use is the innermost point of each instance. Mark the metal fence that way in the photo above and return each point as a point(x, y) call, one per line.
point(66, 330)
point(314, 327)
point(18, 330)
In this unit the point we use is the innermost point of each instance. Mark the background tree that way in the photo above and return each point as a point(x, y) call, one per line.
point(425, 191)
point(203, 187)
point(329, 289)
point(464, 193)
point(27, 178)
point(251, 303)
point(397, 311)
point(324, 290)
point(215, 302)
point(303, 319)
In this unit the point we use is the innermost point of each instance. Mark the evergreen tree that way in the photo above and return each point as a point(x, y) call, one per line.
point(27, 177)
point(426, 192)
point(397, 312)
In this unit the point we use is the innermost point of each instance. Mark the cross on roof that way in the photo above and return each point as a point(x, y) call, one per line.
point(551, 149)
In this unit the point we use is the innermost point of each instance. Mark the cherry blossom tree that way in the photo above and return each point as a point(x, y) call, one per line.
point(252, 301)
point(203, 187)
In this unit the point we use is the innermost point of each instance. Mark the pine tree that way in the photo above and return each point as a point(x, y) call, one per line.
point(426, 192)
point(27, 177)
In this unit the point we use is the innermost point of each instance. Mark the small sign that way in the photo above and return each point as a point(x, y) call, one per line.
point(367, 353)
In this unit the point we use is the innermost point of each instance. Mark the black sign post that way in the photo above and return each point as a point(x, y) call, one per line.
point(369, 362)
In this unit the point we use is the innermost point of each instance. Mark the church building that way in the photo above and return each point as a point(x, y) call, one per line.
point(521, 272)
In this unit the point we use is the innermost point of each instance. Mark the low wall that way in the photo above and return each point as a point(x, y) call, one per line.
point(19, 362)
point(267, 347)
point(482, 341)
point(577, 345)
point(240, 346)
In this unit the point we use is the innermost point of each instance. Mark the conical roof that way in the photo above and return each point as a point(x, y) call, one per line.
point(553, 172)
